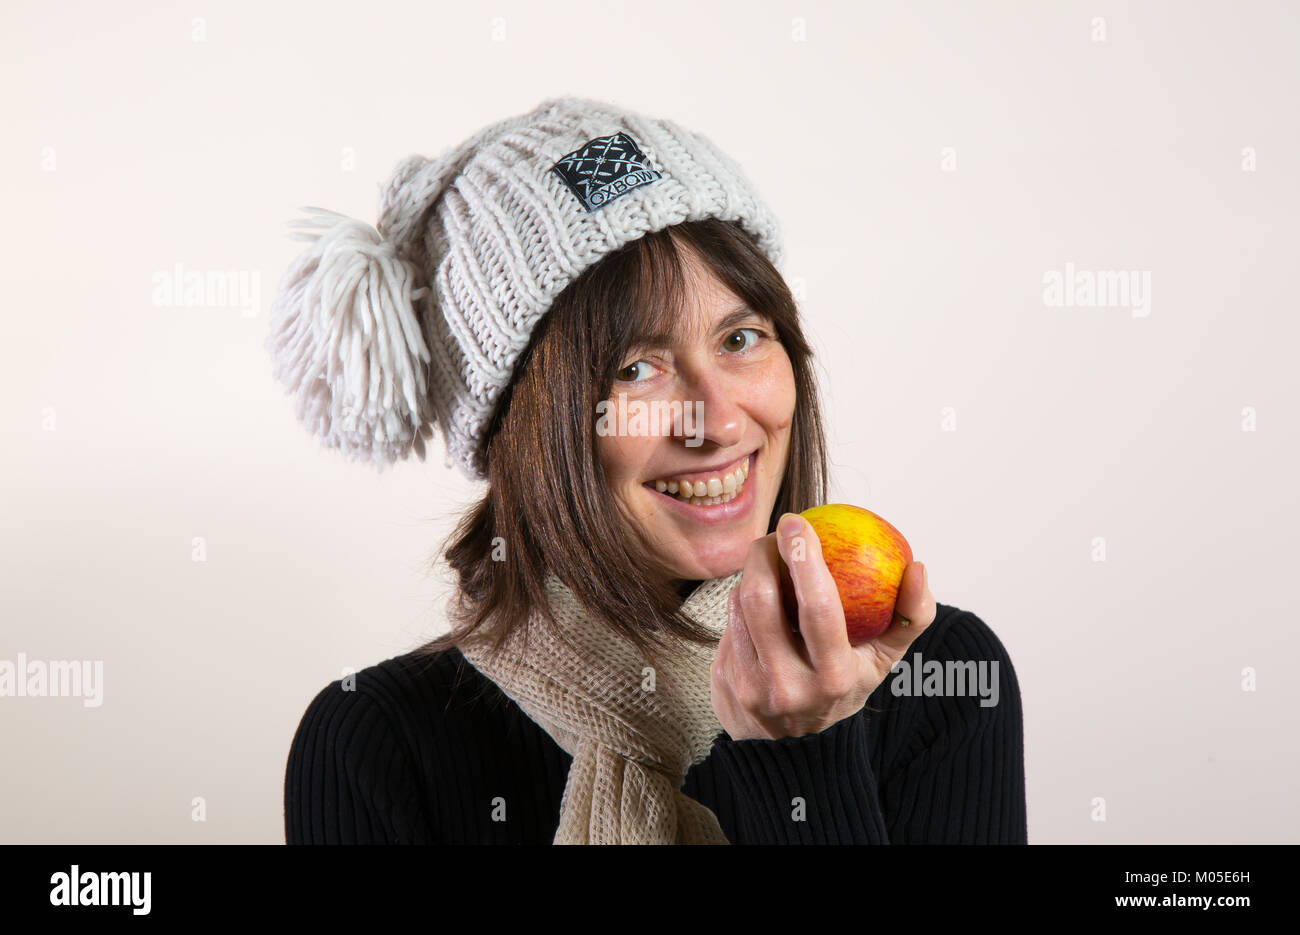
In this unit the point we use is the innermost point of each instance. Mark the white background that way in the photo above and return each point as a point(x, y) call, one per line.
point(144, 135)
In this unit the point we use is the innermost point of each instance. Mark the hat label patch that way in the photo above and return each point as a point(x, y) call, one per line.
point(605, 168)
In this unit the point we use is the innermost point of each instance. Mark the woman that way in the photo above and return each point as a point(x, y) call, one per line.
point(620, 668)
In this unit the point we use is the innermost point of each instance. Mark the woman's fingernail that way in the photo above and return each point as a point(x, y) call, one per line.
point(790, 524)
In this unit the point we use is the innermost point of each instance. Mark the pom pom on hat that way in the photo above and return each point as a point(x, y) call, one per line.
point(347, 341)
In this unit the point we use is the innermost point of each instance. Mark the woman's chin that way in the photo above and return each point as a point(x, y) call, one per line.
point(711, 556)
point(715, 567)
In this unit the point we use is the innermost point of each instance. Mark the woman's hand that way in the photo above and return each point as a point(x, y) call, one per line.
point(769, 681)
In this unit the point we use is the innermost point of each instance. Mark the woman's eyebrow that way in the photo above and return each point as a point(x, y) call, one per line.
point(735, 317)
point(739, 314)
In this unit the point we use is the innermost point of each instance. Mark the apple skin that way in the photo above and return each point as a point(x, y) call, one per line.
point(867, 558)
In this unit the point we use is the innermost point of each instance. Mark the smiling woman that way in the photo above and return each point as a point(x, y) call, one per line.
point(619, 667)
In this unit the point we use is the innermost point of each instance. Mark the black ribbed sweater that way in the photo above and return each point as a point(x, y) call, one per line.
point(427, 750)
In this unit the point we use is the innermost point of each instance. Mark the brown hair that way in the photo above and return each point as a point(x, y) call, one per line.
point(545, 507)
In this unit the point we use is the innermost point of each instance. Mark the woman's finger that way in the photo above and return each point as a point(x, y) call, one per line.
point(914, 610)
point(821, 614)
point(736, 646)
point(759, 597)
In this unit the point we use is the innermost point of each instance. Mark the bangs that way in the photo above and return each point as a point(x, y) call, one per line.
point(641, 292)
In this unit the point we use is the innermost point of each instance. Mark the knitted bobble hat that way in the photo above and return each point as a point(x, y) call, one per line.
point(381, 333)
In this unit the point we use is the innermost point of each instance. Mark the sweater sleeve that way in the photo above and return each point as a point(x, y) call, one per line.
point(815, 789)
point(349, 778)
point(933, 769)
point(956, 769)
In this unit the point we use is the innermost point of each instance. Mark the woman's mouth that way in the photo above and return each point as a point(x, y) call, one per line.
point(705, 488)
point(710, 496)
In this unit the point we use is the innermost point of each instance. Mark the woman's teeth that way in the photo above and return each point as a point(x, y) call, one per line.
point(707, 492)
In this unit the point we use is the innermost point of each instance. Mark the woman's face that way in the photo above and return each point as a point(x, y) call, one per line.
point(733, 382)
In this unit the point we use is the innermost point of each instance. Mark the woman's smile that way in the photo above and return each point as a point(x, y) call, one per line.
point(710, 496)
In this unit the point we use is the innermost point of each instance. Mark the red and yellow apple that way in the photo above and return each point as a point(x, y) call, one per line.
point(866, 556)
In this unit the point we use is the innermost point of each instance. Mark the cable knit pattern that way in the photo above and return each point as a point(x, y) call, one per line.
point(632, 733)
point(383, 333)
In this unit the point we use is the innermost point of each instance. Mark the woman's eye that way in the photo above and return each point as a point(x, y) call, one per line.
point(628, 373)
point(730, 344)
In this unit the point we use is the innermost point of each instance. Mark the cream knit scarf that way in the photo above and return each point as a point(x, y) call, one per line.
point(632, 728)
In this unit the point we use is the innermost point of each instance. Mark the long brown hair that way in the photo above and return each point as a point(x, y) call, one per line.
point(545, 509)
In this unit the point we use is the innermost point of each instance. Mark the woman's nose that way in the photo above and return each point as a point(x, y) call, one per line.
point(712, 412)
